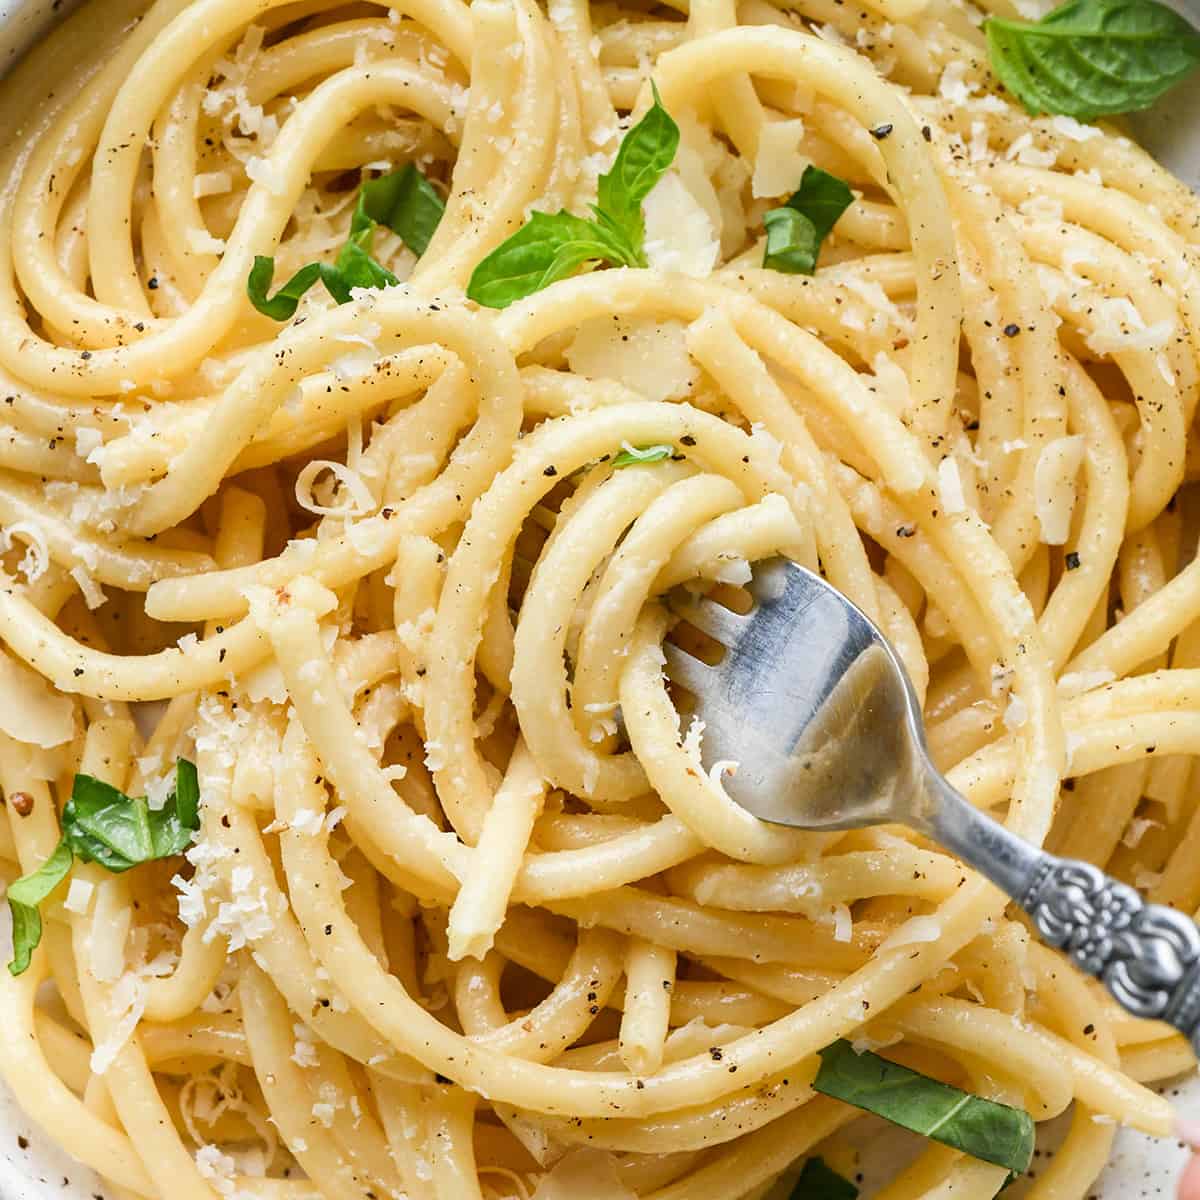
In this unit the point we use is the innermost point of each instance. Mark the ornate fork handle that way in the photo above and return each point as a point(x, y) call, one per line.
point(1147, 955)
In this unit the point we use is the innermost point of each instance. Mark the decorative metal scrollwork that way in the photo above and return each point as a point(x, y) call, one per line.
point(1147, 955)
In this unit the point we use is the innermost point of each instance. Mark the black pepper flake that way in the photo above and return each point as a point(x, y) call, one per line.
point(927, 133)
point(1088, 1030)
point(85, 354)
point(880, 132)
point(1071, 560)
point(550, 470)
point(1011, 330)
point(23, 1142)
point(906, 531)
point(152, 283)
point(687, 440)
point(77, 672)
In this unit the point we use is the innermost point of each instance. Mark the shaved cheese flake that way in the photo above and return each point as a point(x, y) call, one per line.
point(1016, 713)
point(1068, 127)
point(1138, 828)
point(718, 771)
point(950, 488)
point(37, 558)
point(779, 164)
point(680, 235)
point(358, 501)
point(734, 571)
point(92, 593)
point(31, 712)
point(1054, 491)
point(126, 1003)
point(915, 929)
point(585, 1174)
point(1119, 326)
point(843, 924)
point(212, 183)
point(79, 896)
point(259, 170)
point(648, 357)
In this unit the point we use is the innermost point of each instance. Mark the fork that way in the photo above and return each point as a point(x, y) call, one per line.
point(817, 710)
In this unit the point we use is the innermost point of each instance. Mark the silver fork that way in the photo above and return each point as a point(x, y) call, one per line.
point(817, 710)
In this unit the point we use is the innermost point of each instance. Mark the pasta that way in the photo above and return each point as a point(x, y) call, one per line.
point(464, 913)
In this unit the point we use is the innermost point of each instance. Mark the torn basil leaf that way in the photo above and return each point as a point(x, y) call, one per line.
point(551, 246)
point(645, 154)
point(404, 201)
point(547, 248)
point(1093, 58)
point(984, 1129)
point(820, 1182)
point(281, 306)
point(101, 824)
point(631, 455)
point(24, 896)
point(796, 230)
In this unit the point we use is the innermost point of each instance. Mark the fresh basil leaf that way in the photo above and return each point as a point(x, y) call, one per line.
point(796, 230)
point(631, 455)
point(792, 242)
point(355, 268)
point(646, 152)
point(820, 1182)
point(281, 306)
point(406, 202)
point(548, 247)
point(24, 896)
point(103, 825)
point(822, 198)
point(984, 1129)
point(1093, 58)
point(187, 793)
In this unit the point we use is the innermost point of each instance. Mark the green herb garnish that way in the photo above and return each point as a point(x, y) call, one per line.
point(631, 455)
point(796, 230)
point(101, 824)
point(820, 1182)
point(984, 1129)
point(1093, 58)
point(404, 201)
point(551, 246)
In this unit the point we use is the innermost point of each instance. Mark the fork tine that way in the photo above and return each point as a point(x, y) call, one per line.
point(687, 671)
point(708, 616)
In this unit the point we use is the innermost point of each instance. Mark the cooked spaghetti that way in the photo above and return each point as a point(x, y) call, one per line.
point(467, 913)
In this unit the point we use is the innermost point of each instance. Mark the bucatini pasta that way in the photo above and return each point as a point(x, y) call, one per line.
point(345, 456)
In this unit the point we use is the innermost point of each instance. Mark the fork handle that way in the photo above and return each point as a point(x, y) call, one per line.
point(1146, 955)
